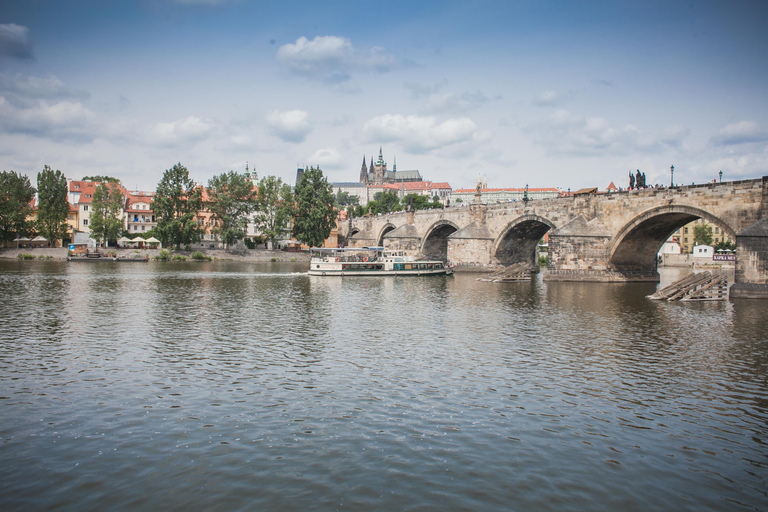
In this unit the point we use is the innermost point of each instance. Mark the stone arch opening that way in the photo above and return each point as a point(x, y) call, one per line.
point(386, 229)
point(637, 244)
point(435, 244)
point(518, 242)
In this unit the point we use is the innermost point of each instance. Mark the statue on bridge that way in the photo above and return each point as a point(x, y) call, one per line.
point(645, 184)
point(631, 181)
point(639, 180)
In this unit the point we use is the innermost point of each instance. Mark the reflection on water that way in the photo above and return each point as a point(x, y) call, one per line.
point(220, 386)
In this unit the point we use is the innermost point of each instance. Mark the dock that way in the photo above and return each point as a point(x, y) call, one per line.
point(695, 287)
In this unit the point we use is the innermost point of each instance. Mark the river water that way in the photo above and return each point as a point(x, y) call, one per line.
point(230, 386)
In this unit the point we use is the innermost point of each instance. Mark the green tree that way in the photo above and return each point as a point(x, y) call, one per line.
point(274, 206)
point(101, 179)
point(385, 202)
point(16, 194)
point(723, 245)
point(344, 199)
point(702, 234)
point(107, 204)
point(232, 199)
point(52, 204)
point(175, 205)
point(315, 212)
point(419, 202)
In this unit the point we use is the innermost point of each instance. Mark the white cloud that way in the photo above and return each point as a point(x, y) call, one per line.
point(673, 136)
point(327, 158)
point(438, 102)
point(63, 120)
point(191, 129)
point(27, 90)
point(565, 133)
point(289, 126)
point(419, 134)
point(740, 133)
point(14, 41)
point(332, 58)
point(547, 99)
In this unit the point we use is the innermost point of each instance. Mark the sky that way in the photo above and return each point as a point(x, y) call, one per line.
point(539, 93)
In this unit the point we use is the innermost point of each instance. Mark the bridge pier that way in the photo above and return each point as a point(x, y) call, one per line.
point(752, 262)
point(581, 251)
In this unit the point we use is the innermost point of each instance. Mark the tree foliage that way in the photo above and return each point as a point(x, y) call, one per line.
point(16, 195)
point(421, 202)
point(101, 179)
point(232, 199)
point(274, 206)
point(344, 199)
point(52, 205)
point(175, 205)
point(702, 234)
point(384, 202)
point(315, 213)
point(106, 222)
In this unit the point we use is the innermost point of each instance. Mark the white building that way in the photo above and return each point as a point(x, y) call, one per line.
point(703, 251)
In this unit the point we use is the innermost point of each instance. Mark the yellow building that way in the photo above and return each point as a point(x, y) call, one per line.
point(685, 234)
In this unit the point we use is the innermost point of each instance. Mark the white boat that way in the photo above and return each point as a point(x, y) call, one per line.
point(372, 261)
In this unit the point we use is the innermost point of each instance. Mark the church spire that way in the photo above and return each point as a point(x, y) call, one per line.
point(363, 173)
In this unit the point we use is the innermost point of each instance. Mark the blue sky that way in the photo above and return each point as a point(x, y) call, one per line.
point(545, 93)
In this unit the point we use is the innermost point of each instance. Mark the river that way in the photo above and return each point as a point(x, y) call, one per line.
point(235, 386)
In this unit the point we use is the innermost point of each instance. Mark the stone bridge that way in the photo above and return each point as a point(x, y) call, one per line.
point(593, 237)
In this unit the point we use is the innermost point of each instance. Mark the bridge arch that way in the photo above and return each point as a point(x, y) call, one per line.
point(517, 242)
point(638, 242)
point(434, 245)
point(384, 230)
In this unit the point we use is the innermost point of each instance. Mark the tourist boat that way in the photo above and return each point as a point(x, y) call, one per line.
point(372, 261)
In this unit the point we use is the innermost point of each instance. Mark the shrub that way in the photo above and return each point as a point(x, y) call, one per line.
point(273, 260)
point(163, 255)
point(199, 256)
point(543, 261)
point(179, 257)
point(25, 256)
point(188, 248)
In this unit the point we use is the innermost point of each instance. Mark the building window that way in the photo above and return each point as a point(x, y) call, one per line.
point(686, 231)
point(85, 207)
point(87, 195)
point(85, 222)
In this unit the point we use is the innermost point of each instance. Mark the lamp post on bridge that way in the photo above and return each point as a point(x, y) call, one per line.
point(671, 176)
point(721, 177)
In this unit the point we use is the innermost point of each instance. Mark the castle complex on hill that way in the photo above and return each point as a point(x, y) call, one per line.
point(377, 174)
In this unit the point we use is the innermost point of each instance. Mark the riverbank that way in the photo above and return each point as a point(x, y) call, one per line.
point(247, 255)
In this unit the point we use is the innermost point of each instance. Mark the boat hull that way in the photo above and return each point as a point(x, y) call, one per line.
point(371, 273)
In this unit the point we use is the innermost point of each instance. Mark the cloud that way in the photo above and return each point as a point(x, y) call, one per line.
point(189, 130)
point(328, 158)
point(564, 133)
point(603, 82)
point(14, 41)
point(548, 99)
point(28, 91)
point(332, 59)
point(437, 102)
point(64, 120)
point(289, 126)
point(740, 133)
point(419, 134)
point(673, 136)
